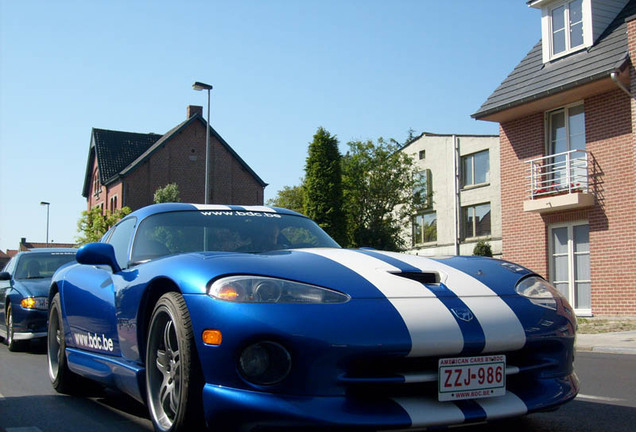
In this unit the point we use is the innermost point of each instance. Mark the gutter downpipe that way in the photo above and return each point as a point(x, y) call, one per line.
point(614, 77)
point(456, 190)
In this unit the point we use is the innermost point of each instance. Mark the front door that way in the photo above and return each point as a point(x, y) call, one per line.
point(570, 264)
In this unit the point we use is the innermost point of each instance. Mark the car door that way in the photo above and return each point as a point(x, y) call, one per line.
point(90, 297)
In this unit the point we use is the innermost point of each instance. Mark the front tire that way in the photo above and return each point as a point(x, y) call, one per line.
point(13, 344)
point(173, 377)
point(62, 379)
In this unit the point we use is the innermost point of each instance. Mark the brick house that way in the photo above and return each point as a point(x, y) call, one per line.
point(567, 117)
point(126, 168)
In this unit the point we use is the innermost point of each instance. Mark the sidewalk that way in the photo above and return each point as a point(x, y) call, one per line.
point(614, 343)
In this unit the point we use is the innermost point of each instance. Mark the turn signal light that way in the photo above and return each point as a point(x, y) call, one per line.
point(28, 303)
point(228, 292)
point(212, 337)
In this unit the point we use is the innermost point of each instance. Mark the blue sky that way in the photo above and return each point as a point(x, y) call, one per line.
point(362, 69)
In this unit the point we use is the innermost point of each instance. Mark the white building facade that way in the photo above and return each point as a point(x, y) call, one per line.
point(460, 183)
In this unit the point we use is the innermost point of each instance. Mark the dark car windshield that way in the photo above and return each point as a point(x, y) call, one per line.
point(225, 231)
point(42, 264)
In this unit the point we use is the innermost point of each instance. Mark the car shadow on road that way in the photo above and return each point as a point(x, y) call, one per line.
point(103, 412)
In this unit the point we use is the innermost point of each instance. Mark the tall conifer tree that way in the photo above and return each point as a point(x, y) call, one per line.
point(323, 185)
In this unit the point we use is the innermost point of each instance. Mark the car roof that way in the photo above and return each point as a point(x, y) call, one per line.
point(150, 210)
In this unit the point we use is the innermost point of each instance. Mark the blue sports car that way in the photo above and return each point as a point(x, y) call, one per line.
point(243, 318)
point(24, 288)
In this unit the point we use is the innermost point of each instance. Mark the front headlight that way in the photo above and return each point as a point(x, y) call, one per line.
point(257, 289)
point(539, 292)
point(41, 303)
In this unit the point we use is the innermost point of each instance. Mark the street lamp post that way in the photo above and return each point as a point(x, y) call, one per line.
point(202, 86)
point(48, 206)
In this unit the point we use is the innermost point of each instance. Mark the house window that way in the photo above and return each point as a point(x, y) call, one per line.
point(476, 221)
point(425, 228)
point(567, 132)
point(423, 189)
point(476, 168)
point(97, 187)
point(422, 154)
point(570, 264)
point(113, 203)
point(566, 27)
point(567, 129)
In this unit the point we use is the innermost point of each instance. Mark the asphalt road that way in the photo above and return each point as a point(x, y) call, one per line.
point(28, 403)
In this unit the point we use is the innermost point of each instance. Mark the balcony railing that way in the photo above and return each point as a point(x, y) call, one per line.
point(557, 174)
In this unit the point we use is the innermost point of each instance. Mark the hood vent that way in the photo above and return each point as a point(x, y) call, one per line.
point(421, 277)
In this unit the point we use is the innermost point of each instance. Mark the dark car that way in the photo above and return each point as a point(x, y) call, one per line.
point(24, 288)
point(253, 318)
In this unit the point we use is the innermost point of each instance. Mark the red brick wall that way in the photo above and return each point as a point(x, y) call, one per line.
point(613, 220)
point(182, 160)
point(523, 233)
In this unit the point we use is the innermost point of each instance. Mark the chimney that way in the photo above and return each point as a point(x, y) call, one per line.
point(194, 110)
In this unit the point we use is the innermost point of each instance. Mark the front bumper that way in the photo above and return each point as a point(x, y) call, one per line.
point(29, 323)
point(235, 409)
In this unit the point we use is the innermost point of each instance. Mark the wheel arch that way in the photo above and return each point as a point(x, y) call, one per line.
point(152, 294)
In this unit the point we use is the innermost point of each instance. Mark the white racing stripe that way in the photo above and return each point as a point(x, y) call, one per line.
point(503, 406)
point(211, 207)
point(502, 328)
point(259, 209)
point(432, 327)
point(428, 412)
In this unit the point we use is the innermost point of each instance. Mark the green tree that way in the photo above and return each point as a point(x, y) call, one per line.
point(168, 193)
point(323, 185)
point(378, 184)
point(290, 197)
point(93, 224)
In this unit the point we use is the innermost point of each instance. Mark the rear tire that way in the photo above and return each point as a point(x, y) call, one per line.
point(62, 379)
point(173, 376)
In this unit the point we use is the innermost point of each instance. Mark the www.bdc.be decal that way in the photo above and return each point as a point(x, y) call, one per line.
point(93, 341)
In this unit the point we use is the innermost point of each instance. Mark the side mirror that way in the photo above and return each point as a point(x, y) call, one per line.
point(98, 254)
point(5, 276)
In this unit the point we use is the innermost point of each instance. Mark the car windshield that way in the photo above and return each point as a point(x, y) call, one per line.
point(41, 265)
point(225, 231)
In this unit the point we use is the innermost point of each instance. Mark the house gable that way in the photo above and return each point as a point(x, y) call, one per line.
point(534, 85)
point(113, 151)
point(132, 166)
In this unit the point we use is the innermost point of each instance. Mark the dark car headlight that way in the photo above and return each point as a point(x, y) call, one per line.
point(539, 291)
point(259, 289)
point(40, 303)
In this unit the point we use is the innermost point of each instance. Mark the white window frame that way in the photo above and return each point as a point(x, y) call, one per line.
point(464, 181)
point(463, 221)
point(571, 264)
point(548, 126)
point(417, 241)
point(546, 25)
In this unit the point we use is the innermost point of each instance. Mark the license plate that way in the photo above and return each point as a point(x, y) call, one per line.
point(471, 377)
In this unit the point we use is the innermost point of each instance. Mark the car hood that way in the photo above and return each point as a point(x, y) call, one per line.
point(360, 273)
point(33, 287)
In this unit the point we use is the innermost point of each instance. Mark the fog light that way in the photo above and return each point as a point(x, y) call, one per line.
point(265, 363)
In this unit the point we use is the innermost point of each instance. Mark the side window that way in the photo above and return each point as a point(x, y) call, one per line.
point(120, 240)
point(10, 267)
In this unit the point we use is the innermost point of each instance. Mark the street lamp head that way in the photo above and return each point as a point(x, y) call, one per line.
point(201, 86)
point(44, 203)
